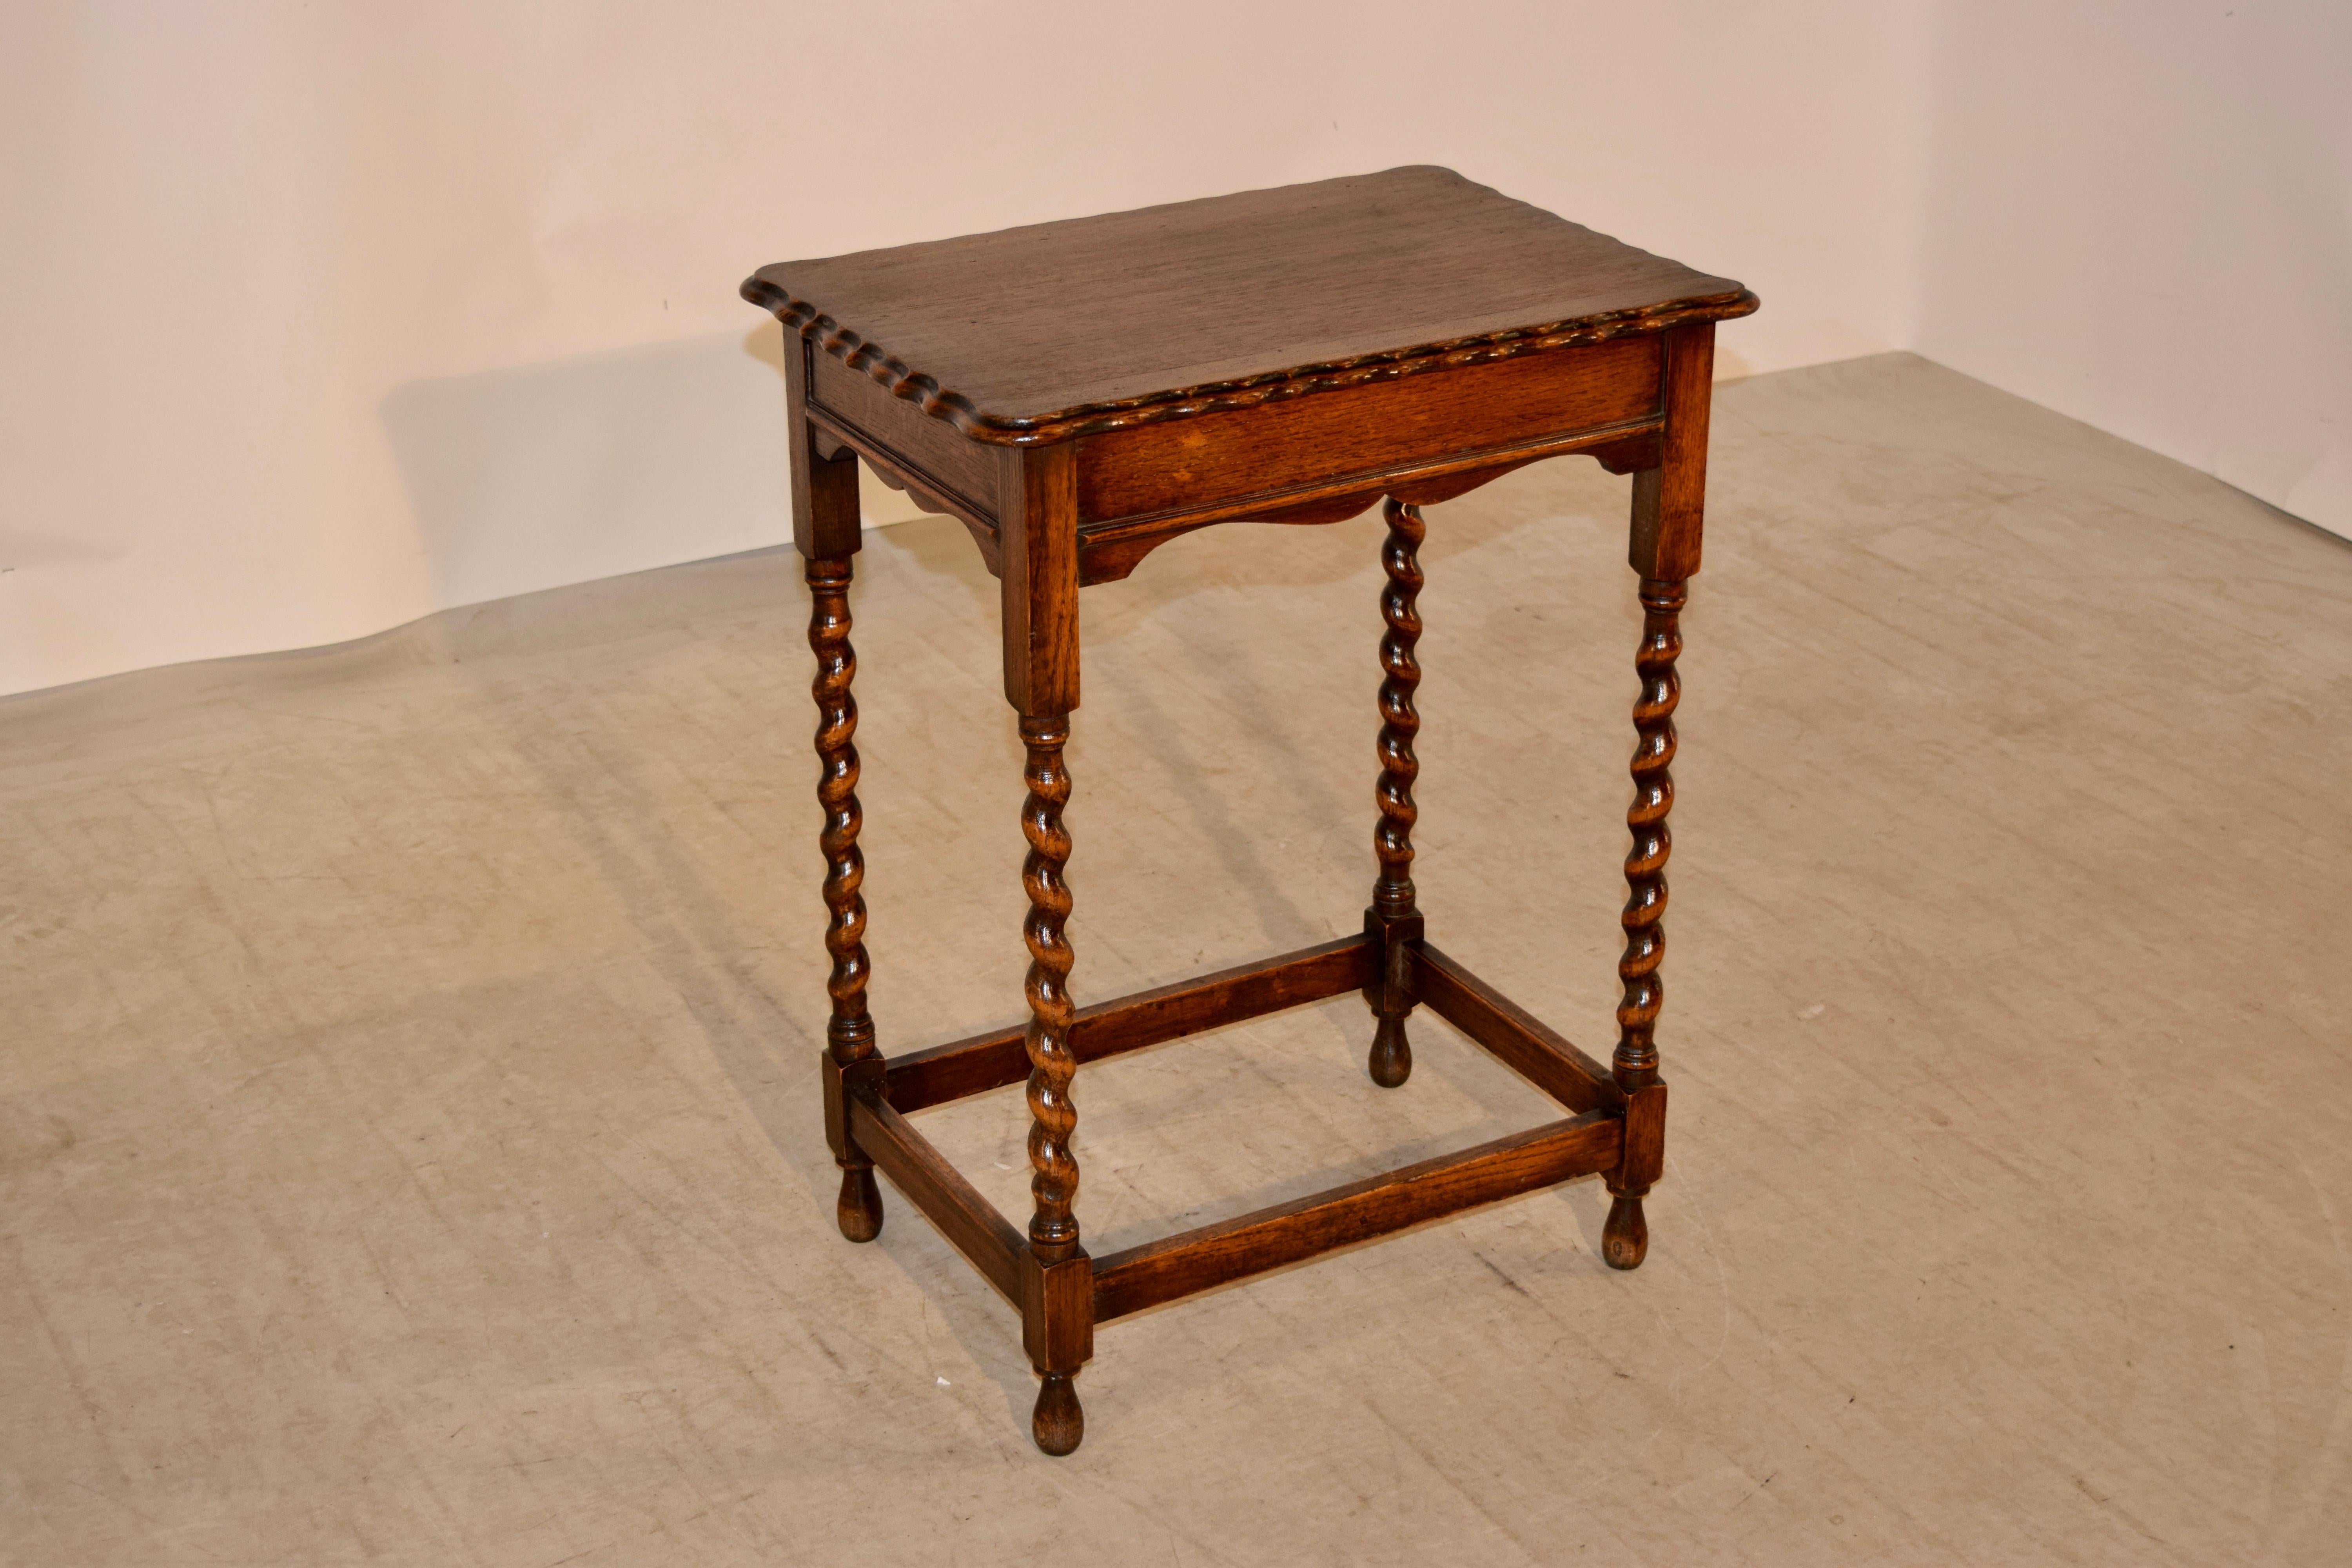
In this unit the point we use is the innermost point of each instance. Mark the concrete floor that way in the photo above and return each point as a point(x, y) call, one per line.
point(409, 1145)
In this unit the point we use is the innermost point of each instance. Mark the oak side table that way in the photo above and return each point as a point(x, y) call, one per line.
point(1079, 393)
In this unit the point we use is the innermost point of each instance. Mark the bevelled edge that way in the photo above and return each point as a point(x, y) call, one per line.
point(903, 380)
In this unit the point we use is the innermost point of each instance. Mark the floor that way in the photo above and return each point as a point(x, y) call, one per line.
point(409, 1145)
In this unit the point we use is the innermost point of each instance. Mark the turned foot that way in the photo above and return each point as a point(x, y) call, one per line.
point(1392, 1058)
point(1626, 1238)
point(1057, 1422)
point(860, 1209)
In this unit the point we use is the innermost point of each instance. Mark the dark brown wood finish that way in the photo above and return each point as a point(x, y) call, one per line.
point(1191, 1007)
point(1266, 356)
point(1392, 890)
point(1625, 1233)
point(1175, 466)
point(1038, 571)
point(955, 474)
point(1626, 1238)
point(1057, 1330)
point(1053, 1230)
point(1038, 334)
point(1635, 1061)
point(944, 1073)
point(1393, 923)
point(1080, 392)
point(986, 1239)
point(1216, 1255)
point(1057, 1344)
point(1669, 501)
point(1530, 1048)
point(1110, 551)
point(826, 523)
point(849, 1034)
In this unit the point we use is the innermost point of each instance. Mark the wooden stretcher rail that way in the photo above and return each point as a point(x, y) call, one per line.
point(1524, 1043)
point(989, 1061)
point(1215, 1255)
point(967, 1219)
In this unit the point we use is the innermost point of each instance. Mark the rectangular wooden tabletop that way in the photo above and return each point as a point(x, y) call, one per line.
point(1030, 327)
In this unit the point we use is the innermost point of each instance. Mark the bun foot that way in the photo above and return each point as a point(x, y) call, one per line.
point(1392, 1060)
point(1626, 1238)
point(860, 1209)
point(1057, 1422)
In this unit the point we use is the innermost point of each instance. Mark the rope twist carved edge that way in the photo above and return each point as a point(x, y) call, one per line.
point(903, 381)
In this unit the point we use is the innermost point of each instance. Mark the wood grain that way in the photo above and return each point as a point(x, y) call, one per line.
point(849, 1033)
point(1670, 501)
point(1057, 1312)
point(1041, 334)
point(1057, 1330)
point(944, 1073)
point(931, 454)
point(1635, 1061)
point(1215, 1255)
point(1644, 1159)
point(826, 523)
point(1393, 890)
point(970, 1222)
point(1078, 393)
point(1053, 1114)
point(898, 471)
point(1394, 920)
point(1382, 425)
point(1625, 1233)
point(1038, 574)
point(1110, 551)
point(1524, 1043)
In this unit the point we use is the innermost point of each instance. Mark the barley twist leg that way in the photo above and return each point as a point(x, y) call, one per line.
point(1635, 1064)
point(849, 1035)
point(1393, 920)
point(1057, 1421)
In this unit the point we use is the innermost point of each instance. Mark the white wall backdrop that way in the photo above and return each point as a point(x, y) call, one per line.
point(2141, 215)
point(314, 318)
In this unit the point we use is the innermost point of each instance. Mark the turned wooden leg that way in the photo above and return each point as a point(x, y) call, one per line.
point(1053, 1319)
point(1039, 551)
point(1626, 1237)
point(849, 1035)
point(1054, 1182)
point(1394, 924)
point(1057, 1421)
point(825, 524)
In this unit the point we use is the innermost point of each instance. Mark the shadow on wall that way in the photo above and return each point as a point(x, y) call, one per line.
point(532, 478)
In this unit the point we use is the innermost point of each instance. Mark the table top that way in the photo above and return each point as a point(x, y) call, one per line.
point(1049, 323)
